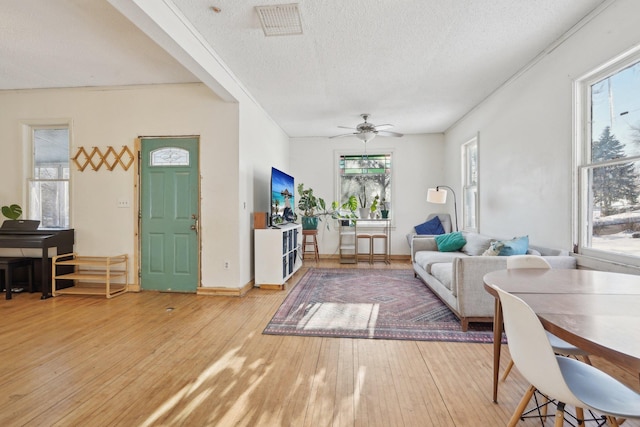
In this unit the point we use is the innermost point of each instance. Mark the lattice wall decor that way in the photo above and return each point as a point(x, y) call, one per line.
point(110, 158)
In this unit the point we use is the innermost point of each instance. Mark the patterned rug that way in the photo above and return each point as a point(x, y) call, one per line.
point(369, 303)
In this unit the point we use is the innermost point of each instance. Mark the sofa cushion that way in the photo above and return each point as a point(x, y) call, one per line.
point(431, 227)
point(450, 242)
point(515, 246)
point(425, 259)
point(443, 272)
point(476, 244)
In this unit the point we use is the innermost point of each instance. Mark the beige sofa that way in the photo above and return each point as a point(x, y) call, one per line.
point(456, 277)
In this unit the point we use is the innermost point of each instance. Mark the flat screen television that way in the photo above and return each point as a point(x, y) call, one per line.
point(282, 197)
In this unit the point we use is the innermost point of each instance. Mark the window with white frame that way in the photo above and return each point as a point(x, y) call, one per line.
point(470, 185)
point(366, 176)
point(48, 183)
point(609, 163)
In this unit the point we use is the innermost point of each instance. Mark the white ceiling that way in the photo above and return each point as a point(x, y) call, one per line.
point(419, 64)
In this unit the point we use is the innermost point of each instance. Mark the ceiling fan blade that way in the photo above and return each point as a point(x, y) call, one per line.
point(366, 131)
point(389, 133)
point(344, 134)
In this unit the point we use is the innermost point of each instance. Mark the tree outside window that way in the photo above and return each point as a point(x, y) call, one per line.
point(366, 176)
point(616, 183)
point(610, 169)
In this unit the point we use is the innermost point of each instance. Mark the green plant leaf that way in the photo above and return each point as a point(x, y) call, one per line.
point(12, 212)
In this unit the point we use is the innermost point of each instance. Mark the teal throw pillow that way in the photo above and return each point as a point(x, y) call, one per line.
point(450, 242)
point(515, 246)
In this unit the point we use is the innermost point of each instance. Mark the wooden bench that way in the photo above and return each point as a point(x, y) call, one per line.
point(7, 266)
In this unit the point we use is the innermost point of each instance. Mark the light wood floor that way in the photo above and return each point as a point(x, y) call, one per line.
point(152, 359)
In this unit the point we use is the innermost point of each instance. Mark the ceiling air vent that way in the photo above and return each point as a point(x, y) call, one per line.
point(280, 19)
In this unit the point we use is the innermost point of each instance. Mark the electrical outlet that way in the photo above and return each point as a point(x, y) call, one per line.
point(226, 265)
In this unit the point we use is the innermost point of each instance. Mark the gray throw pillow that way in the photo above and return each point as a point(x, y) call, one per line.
point(476, 244)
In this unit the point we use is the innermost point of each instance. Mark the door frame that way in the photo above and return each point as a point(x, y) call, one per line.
point(137, 232)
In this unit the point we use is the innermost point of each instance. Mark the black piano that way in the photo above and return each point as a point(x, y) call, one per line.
point(62, 240)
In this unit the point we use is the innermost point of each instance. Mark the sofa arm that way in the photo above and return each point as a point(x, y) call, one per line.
point(422, 243)
point(468, 285)
point(413, 235)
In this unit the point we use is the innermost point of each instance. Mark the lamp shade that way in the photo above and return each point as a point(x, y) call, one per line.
point(436, 195)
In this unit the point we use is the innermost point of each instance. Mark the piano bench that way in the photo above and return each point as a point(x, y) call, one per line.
point(7, 266)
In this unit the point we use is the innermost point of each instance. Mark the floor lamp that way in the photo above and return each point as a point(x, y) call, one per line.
point(439, 195)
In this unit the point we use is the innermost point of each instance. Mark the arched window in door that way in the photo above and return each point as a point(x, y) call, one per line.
point(169, 156)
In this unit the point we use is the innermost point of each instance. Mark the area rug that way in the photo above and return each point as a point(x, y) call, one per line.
point(369, 303)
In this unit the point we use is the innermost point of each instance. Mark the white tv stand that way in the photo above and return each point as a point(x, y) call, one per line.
point(277, 255)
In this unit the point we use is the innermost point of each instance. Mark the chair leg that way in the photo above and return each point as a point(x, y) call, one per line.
point(613, 421)
point(30, 276)
point(580, 416)
point(8, 282)
point(507, 371)
point(559, 415)
point(521, 406)
point(545, 407)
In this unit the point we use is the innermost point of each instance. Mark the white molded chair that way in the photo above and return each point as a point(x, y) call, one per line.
point(526, 261)
point(559, 346)
point(568, 380)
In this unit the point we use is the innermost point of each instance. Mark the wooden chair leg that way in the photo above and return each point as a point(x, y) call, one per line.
point(521, 406)
point(613, 421)
point(545, 407)
point(580, 416)
point(559, 415)
point(507, 371)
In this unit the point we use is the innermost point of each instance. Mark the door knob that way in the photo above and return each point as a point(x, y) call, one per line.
point(194, 226)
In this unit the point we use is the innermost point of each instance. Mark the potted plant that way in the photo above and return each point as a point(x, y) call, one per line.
point(313, 208)
point(374, 206)
point(350, 205)
point(12, 212)
point(362, 198)
point(384, 208)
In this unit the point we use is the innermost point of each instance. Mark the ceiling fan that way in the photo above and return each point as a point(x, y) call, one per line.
point(366, 131)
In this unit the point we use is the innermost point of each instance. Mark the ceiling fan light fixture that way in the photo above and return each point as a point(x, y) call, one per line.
point(365, 136)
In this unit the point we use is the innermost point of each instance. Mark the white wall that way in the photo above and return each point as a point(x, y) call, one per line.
point(263, 145)
point(260, 142)
point(526, 135)
point(115, 117)
point(417, 165)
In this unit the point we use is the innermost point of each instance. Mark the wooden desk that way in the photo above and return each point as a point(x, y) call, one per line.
point(593, 310)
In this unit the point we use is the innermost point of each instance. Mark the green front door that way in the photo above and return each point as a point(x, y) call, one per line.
point(169, 212)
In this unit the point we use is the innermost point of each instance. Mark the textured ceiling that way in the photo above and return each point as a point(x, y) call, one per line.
point(419, 64)
point(75, 43)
